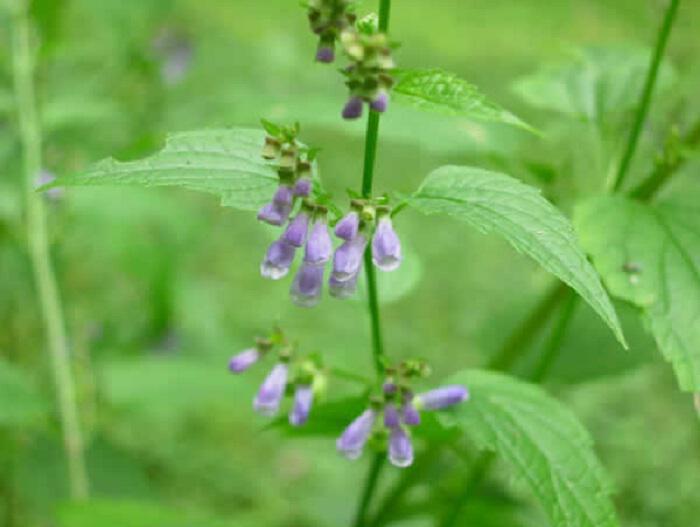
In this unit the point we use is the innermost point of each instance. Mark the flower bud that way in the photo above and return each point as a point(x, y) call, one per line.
point(271, 149)
point(400, 448)
point(303, 399)
point(278, 260)
point(307, 285)
point(346, 228)
point(302, 188)
point(386, 247)
point(380, 102)
point(297, 229)
point(440, 398)
point(244, 360)
point(409, 415)
point(271, 391)
point(391, 416)
point(353, 439)
point(353, 108)
point(288, 158)
point(347, 260)
point(325, 52)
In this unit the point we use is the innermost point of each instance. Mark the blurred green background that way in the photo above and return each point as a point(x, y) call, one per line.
point(161, 286)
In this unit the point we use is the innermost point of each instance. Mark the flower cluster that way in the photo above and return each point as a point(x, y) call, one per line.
point(368, 220)
point(328, 19)
point(369, 74)
point(291, 374)
point(389, 416)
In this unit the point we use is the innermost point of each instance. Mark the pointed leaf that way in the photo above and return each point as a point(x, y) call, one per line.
point(649, 255)
point(491, 201)
point(545, 444)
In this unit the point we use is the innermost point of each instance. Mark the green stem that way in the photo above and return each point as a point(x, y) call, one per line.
point(645, 101)
point(551, 350)
point(370, 484)
point(37, 239)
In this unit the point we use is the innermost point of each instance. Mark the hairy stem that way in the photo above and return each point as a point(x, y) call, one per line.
point(37, 239)
point(645, 101)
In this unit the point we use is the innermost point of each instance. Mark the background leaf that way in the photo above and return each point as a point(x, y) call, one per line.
point(649, 255)
point(222, 162)
point(438, 91)
point(544, 443)
point(491, 201)
point(21, 402)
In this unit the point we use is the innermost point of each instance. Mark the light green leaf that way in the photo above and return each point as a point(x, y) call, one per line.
point(491, 201)
point(21, 402)
point(546, 445)
point(438, 91)
point(593, 83)
point(222, 162)
point(649, 255)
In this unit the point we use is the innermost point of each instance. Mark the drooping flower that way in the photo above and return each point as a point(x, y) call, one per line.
point(409, 414)
point(325, 53)
point(391, 416)
point(353, 108)
point(303, 399)
point(380, 102)
point(346, 228)
point(307, 285)
point(319, 245)
point(353, 439)
point(348, 258)
point(244, 360)
point(297, 229)
point(386, 247)
point(440, 398)
point(278, 260)
point(277, 211)
point(400, 448)
point(344, 289)
point(271, 391)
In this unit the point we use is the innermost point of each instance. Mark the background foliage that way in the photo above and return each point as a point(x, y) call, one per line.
point(161, 286)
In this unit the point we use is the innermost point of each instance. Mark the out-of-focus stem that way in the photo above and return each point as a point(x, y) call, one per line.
point(38, 244)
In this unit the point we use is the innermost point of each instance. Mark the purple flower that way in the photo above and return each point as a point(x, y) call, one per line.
point(353, 108)
point(391, 416)
point(303, 399)
point(277, 212)
point(346, 228)
point(348, 258)
point(278, 259)
point(284, 196)
point(296, 230)
point(244, 360)
point(307, 285)
point(302, 188)
point(409, 415)
point(380, 103)
point(319, 245)
point(442, 397)
point(400, 448)
point(325, 54)
point(344, 289)
point(353, 439)
point(271, 391)
point(386, 247)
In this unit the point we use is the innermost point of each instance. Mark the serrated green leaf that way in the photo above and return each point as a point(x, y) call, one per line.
point(546, 445)
point(224, 162)
point(593, 83)
point(491, 201)
point(438, 91)
point(649, 255)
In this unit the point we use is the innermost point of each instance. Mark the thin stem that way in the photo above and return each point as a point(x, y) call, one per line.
point(370, 484)
point(37, 239)
point(645, 101)
point(373, 304)
point(551, 351)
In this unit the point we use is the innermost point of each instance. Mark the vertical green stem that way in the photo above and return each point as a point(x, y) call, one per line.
point(645, 101)
point(370, 484)
point(37, 239)
point(553, 346)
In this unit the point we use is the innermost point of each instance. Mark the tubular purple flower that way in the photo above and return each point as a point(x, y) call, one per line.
point(442, 397)
point(400, 448)
point(267, 402)
point(353, 439)
point(307, 285)
point(278, 260)
point(319, 245)
point(302, 188)
point(325, 54)
point(409, 415)
point(347, 260)
point(346, 228)
point(272, 215)
point(381, 102)
point(243, 360)
point(344, 289)
point(386, 247)
point(284, 196)
point(391, 416)
point(303, 399)
point(353, 108)
point(297, 229)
